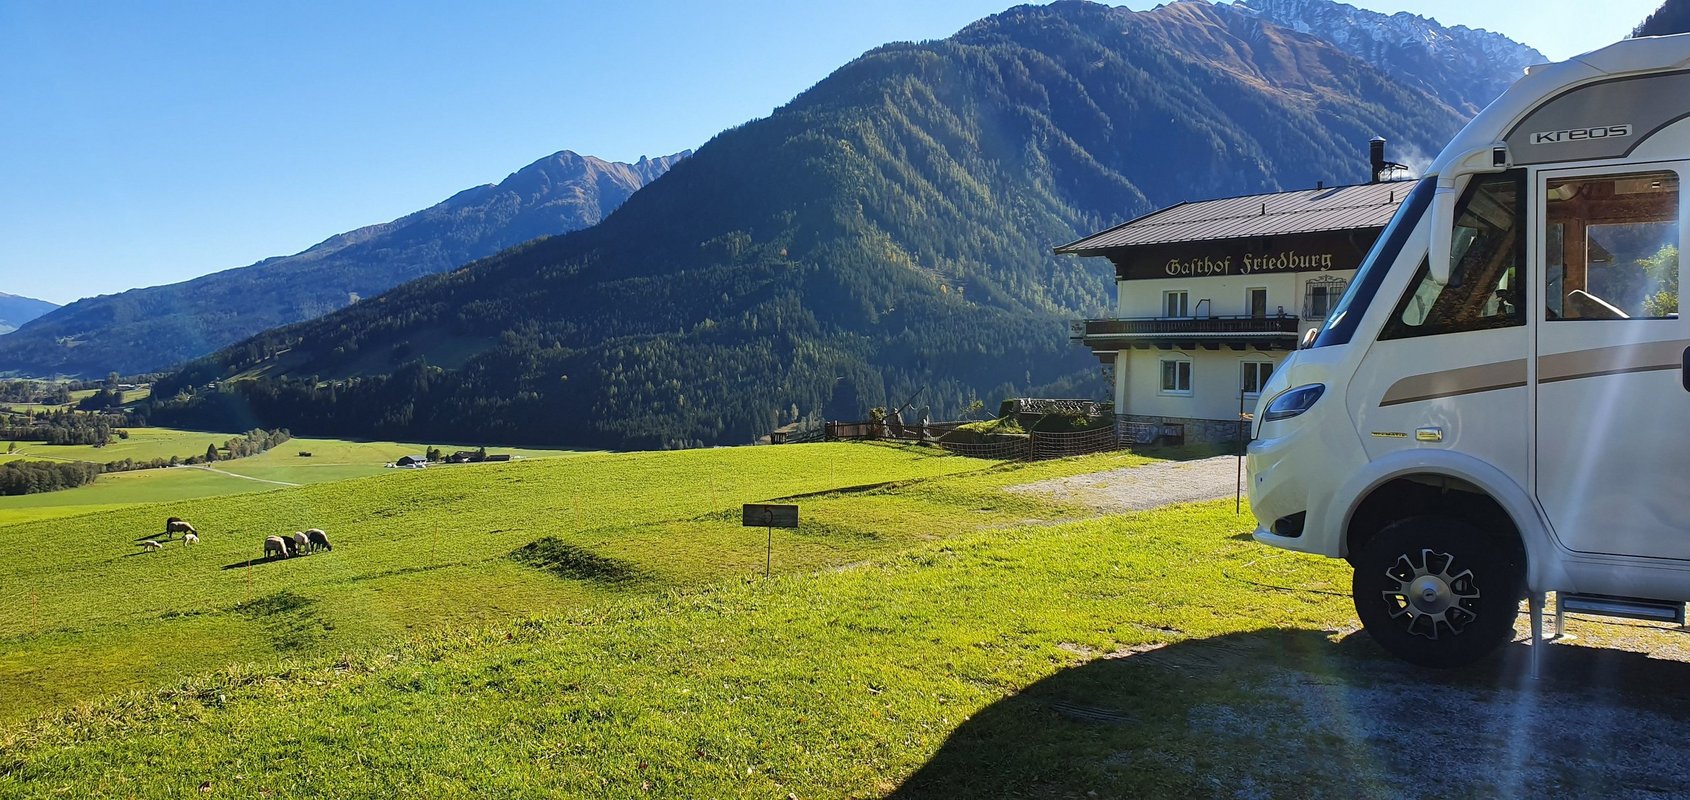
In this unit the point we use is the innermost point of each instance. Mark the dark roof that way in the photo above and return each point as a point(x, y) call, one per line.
point(1369, 205)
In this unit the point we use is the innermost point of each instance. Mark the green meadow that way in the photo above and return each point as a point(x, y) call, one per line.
point(433, 549)
point(599, 626)
point(330, 460)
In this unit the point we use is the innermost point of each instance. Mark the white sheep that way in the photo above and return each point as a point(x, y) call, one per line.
point(277, 545)
point(299, 542)
point(151, 545)
point(191, 538)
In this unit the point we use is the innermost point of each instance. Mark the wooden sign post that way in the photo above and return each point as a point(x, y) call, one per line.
point(771, 516)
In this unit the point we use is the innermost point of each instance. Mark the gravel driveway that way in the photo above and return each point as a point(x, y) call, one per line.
point(1139, 488)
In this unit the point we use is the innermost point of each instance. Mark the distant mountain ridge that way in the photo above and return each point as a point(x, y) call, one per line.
point(15, 310)
point(158, 327)
point(885, 236)
point(1466, 67)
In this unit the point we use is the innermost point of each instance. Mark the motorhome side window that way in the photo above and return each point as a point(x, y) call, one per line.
point(1488, 257)
point(1611, 247)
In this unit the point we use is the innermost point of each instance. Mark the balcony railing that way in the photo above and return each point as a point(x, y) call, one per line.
point(1154, 327)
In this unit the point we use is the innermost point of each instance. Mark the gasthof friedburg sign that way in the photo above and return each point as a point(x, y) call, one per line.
point(1314, 253)
point(1288, 261)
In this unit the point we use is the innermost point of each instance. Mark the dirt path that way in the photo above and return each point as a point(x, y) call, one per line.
point(1140, 488)
point(238, 475)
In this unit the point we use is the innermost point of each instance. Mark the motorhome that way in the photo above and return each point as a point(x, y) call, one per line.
point(1498, 407)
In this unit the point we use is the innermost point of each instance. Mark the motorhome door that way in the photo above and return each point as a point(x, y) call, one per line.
point(1613, 400)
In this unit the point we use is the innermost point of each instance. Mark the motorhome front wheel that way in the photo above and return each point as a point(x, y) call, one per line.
point(1437, 592)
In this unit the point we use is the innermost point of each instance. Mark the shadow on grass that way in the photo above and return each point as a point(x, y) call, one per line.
point(254, 562)
point(566, 560)
point(1290, 713)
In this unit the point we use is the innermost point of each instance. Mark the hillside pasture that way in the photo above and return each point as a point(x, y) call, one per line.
point(437, 548)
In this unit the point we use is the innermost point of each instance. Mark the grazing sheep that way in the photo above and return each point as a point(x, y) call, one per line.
point(191, 539)
point(299, 542)
point(151, 545)
point(176, 525)
point(319, 540)
point(278, 545)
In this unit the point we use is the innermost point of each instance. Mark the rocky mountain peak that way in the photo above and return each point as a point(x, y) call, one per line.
point(1467, 67)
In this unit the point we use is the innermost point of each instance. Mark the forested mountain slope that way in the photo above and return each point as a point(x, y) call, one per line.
point(888, 232)
point(159, 327)
point(1672, 17)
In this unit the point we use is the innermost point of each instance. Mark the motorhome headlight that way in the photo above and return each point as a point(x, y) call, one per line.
point(1292, 402)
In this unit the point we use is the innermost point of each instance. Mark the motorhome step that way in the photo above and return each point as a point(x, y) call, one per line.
point(1627, 607)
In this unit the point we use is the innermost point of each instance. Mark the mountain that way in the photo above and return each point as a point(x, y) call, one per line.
point(142, 330)
point(1672, 17)
point(1466, 67)
point(15, 311)
point(886, 235)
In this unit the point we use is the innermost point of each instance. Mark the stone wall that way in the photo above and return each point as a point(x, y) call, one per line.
point(1197, 431)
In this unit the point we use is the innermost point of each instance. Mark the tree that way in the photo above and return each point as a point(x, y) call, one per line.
point(1662, 269)
point(211, 452)
point(432, 454)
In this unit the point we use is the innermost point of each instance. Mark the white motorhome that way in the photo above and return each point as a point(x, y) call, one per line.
point(1499, 406)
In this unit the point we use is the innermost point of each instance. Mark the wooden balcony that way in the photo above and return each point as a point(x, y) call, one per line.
point(1105, 336)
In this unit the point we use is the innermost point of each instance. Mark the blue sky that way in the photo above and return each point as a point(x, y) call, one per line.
point(148, 143)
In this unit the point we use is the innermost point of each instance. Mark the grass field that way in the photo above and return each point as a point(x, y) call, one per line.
point(440, 548)
point(330, 460)
point(907, 676)
point(597, 627)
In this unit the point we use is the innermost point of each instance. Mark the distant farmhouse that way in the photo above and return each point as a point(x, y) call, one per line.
point(1211, 295)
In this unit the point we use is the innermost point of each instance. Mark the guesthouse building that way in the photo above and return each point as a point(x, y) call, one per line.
point(1211, 296)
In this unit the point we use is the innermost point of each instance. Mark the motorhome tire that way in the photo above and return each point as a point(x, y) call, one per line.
point(1437, 591)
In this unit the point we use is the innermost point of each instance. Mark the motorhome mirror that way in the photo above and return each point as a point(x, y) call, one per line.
point(1490, 158)
point(1443, 233)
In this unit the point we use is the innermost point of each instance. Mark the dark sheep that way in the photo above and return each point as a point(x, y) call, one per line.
point(319, 540)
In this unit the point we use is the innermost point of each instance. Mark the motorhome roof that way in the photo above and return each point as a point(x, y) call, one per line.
point(1544, 82)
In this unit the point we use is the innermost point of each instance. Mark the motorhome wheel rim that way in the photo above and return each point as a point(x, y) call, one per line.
point(1429, 595)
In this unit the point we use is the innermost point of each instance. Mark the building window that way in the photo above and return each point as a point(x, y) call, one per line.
point(1176, 376)
point(1256, 375)
point(1321, 295)
point(1176, 304)
point(1257, 301)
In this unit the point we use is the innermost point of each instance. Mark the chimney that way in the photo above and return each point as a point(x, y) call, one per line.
point(1380, 170)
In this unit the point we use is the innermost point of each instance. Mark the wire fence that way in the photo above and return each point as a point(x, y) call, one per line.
point(1101, 439)
point(1017, 448)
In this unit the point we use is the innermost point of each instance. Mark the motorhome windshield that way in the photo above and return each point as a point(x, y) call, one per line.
point(1341, 325)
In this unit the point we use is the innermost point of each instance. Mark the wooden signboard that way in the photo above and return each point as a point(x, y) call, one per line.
point(770, 515)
